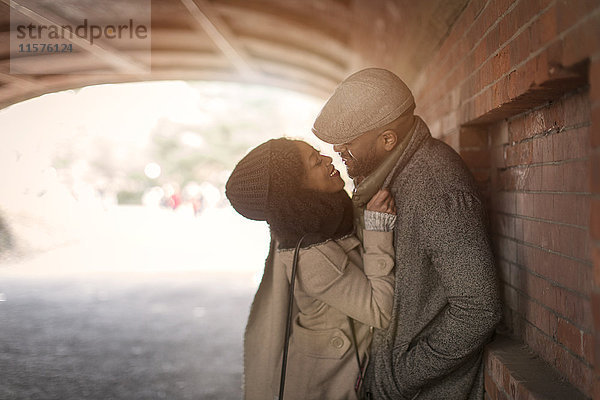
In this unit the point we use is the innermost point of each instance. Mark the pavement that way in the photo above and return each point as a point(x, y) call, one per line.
point(135, 317)
point(159, 337)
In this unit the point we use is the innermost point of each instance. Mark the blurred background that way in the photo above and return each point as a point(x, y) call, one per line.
point(124, 271)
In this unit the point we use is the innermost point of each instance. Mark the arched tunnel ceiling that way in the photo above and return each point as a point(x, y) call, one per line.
point(304, 45)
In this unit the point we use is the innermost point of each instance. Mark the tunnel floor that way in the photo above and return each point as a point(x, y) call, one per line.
point(156, 336)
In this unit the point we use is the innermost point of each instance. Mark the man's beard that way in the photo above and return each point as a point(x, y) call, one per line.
point(364, 167)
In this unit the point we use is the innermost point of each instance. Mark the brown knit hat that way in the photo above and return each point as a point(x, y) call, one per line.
point(248, 186)
point(366, 100)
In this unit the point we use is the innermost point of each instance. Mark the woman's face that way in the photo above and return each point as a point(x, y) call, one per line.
point(320, 174)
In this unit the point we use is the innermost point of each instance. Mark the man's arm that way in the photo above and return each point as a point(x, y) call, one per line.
point(459, 250)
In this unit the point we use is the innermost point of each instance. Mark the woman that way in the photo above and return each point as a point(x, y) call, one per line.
point(298, 191)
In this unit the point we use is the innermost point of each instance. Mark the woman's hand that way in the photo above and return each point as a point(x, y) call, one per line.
point(382, 201)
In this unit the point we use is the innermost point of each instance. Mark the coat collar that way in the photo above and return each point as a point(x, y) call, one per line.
point(372, 183)
point(387, 171)
point(418, 136)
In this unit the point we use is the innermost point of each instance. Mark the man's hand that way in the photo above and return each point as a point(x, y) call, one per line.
point(382, 201)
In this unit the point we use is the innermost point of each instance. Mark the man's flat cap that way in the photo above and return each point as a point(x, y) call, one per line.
point(366, 100)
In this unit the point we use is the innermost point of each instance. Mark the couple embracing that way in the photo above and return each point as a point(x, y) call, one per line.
point(393, 291)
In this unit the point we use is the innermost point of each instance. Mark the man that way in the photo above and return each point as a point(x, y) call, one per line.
point(446, 302)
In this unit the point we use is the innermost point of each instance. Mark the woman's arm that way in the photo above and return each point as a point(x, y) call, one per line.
point(326, 273)
point(363, 292)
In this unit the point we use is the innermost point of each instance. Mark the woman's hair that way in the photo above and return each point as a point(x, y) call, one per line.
point(293, 210)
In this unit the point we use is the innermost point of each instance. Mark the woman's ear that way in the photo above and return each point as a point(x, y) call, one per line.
point(390, 139)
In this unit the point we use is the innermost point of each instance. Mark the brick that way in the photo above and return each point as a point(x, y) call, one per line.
point(571, 144)
point(582, 41)
point(503, 269)
point(542, 68)
point(503, 225)
point(476, 158)
point(571, 274)
point(452, 140)
point(576, 109)
point(505, 248)
point(518, 280)
point(577, 373)
point(547, 149)
point(510, 179)
point(575, 175)
point(554, 52)
point(594, 78)
point(572, 306)
point(487, 73)
point(524, 204)
point(595, 129)
point(498, 134)
point(481, 175)
point(490, 387)
point(495, 370)
point(573, 242)
point(502, 395)
point(480, 53)
point(544, 29)
point(500, 92)
point(563, 302)
point(552, 177)
point(571, 11)
point(596, 264)
point(570, 336)
point(512, 155)
point(519, 48)
point(543, 149)
point(466, 110)
point(588, 347)
point(597, 349)
point(525, 153)
point(492, 40)
point(534, 123)
point(567, 240)
point(530, 178)
point(554, 116)
point(450, 123)
point(507, 27)
point(485, 99)
point(569, 209)
point(540, 317)
point(595, 171)
point(497, 155)
point(505, 202)
point(524, 11)
point(595, 219)
point(516, 130)
point(543, 205)
point(596, 309)
point(596, 392)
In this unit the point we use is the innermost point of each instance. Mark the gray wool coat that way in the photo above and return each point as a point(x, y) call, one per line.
point(446, 301)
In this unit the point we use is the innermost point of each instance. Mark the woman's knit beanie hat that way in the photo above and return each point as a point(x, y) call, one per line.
point(248, 186)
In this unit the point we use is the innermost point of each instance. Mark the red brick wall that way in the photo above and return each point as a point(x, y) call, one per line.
point(539, 220)
point(515, 89)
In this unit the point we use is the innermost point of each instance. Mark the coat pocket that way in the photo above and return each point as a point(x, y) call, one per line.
point(330, 343)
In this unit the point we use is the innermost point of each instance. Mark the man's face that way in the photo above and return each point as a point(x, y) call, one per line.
point(361, 155)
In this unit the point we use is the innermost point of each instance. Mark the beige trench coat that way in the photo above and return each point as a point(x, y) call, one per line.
point(335, 279)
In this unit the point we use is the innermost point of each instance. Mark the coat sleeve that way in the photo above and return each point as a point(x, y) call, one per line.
point(326, 273)
point(459, 250)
